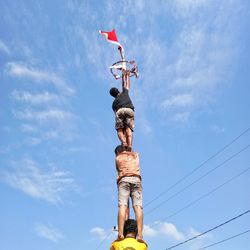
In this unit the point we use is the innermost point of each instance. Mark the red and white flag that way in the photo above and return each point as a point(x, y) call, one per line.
point(111, 37)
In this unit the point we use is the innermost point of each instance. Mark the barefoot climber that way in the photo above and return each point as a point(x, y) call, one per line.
point(129, 185)
point(124, 112)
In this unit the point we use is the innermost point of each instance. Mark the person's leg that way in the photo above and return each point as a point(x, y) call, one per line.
point(129, 127)
point(127, 212)
point(129, 137)
point(136, 195)
point(123, 197)
point(139, 220)
point(122, 213)
point(122, 137)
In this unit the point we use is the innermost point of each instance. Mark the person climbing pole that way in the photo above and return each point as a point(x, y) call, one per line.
point(124, 112)
point(129, 185)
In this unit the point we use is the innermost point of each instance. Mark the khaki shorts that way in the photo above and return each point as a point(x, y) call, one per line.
point(124, 117)
point(126, 190)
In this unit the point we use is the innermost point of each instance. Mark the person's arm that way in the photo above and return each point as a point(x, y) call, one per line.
point(125, 79)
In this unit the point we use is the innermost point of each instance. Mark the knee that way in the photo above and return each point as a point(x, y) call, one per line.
point(137, 209)
point(128, 131)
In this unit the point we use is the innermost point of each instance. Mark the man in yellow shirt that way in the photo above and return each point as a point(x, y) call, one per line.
point(129, 242)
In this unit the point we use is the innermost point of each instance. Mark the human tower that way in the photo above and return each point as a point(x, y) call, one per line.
point(129, 185)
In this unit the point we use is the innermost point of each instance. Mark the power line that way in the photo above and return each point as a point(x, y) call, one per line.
point(197, 180)
point(186, 176)
point(210, 230)
point(207, 194)
point(219, 242)
point(203, 196)
point(98, 247)
point(201, 165)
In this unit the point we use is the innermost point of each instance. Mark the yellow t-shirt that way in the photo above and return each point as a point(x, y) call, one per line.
point(128, 244)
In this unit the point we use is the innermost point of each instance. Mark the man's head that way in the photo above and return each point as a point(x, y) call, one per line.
point(130, 226)
point(119, 149)
point(114, 92)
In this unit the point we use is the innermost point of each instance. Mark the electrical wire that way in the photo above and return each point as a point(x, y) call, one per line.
point(207, 194)
point(98, 247)
point(201, 165)
point(210, 230)
point(219, 242)
point(186, 176)
point(201, 197)
point(197, 180)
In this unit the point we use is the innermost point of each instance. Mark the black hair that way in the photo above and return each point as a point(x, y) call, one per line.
point(130, 226)
point(119, 149)
point(114, 92)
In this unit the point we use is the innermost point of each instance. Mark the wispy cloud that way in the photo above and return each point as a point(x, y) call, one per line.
point(49, 232)
point(186, 7)
point(164, 228)
point(36, 99)
point(24, 71)
point(99, 233)
point(56, 115)
point(217, 129)
point(4, 47)
point(182, 72)
point(179, 100)
point(37, 183)
point(28, 128)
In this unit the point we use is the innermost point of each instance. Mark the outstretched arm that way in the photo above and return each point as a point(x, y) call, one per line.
point(125, 79)
point(125, 73)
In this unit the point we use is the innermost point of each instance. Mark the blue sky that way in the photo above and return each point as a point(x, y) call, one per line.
point(57, 173)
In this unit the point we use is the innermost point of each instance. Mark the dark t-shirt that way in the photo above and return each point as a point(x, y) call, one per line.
point(122, 101)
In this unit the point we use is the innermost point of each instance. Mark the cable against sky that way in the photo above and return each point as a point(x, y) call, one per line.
point(209, 230)
point(201, 165)
point(198, 179)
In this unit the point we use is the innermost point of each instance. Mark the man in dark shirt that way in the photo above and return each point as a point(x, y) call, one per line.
point(124, 112)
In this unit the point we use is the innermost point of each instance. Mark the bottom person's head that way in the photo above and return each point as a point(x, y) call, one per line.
point(119, 149)
point(130, 226)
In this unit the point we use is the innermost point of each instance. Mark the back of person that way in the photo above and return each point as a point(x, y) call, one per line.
point(127, 164)
point(122, 101)
point(129, 244)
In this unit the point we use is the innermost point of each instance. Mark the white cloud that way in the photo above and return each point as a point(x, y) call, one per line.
point(29, 178)
point(170, 230)
point(180, 100)
point(185, 7)
point(49, 232)
point(57, 115)
point(100, 233)
point(193, 233)
point(33, 140)
point(193, 62)
point(21, 70)
point(149, 231)
point(28, 128)
point(217, 129)
point(182, 117)
point(4, 47)
point(36, 99)
point(164, 228)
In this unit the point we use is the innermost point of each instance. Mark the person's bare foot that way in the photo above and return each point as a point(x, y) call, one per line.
point(120, 237)
point(140, 238)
